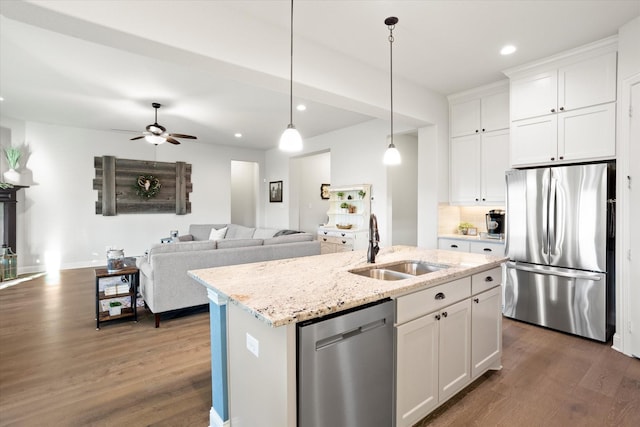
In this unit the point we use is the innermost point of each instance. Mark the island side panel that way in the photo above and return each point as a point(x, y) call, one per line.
point(262, 387)
point(219, 413)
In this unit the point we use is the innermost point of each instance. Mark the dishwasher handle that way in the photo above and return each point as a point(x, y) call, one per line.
point(341, 337)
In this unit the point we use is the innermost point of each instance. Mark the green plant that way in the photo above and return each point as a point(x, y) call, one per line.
point(340, 194)
point(464, 226)
point(344, 205)
point(13, 156)
point(115, 304)
point(362, 193)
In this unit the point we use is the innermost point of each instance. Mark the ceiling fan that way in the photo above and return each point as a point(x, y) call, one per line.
point(157, 134)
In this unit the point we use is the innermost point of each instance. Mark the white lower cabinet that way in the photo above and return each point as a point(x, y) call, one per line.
point(440, 350)
point(453, 245)
point(332, 241)
point(486, 339)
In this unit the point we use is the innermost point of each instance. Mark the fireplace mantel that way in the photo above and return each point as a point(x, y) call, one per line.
point(8, 198)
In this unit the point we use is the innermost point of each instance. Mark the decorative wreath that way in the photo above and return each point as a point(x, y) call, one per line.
point(147, 186)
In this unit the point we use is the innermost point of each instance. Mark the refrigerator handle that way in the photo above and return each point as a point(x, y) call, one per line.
point(553, 215)
point(581, 275)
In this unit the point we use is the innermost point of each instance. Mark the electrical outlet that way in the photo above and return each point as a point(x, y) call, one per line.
point(253, 345)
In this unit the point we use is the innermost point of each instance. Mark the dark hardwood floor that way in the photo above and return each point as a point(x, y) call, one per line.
point(57, 370)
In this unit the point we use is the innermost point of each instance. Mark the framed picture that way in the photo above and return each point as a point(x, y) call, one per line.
point(324, 191)
point(275, 191)
point(472, 231)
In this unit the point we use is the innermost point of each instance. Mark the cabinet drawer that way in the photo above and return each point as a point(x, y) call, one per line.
point(486, 280)
point(487, 248)
point(337, 240)
point(453, 245)
point(326, 233)
point(414, 305)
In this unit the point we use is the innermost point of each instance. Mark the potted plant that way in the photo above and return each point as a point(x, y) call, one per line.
point(115, 308)
point(344, 206)
point(464, 226)
point(340, 195)
point(13, 156)
point(362, 193)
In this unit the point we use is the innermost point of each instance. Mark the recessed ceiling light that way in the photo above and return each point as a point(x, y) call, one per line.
point(301, 107)
point(507, 50)
point(237, 135)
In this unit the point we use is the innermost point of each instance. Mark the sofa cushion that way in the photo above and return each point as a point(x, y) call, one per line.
point(202, 231)
point(186, 238)
point(291, 238)
point(264, 233)
point(160, 248)
point(218, 234)
point(235, 231)
point(238, 243)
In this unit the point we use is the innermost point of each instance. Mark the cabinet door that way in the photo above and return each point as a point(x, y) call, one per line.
point(494, 111)
point(587, 83)
point(465, 118)
point(494, 163)
point(486, 339)
point(587, 133)
point(416, 369)
point(454, 349)
point(465, 169)
point(534, 96)
point(534, 141)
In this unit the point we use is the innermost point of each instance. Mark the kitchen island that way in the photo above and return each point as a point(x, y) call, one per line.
point(255, 309)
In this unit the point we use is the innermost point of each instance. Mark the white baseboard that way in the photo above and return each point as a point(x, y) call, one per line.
point(215, 420)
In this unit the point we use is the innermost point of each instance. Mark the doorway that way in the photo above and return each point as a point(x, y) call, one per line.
point(244, 192)
point(308, 173)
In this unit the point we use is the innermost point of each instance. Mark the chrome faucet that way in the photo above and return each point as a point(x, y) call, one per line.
point(374, 238)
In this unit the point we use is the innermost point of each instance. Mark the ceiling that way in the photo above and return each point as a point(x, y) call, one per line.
point(222, 67)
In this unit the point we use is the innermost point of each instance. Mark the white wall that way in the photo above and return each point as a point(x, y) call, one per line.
point(56, 215)
point(404, 192)
point(244, 193)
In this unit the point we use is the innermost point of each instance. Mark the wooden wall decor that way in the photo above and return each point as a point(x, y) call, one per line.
point(116, 179)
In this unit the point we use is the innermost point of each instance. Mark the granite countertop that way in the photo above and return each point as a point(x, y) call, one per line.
point(292, 290)
point(478, 238)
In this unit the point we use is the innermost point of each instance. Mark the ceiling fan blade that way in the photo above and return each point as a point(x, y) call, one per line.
point(181, 135)
point(136, 137)
point(173, 141)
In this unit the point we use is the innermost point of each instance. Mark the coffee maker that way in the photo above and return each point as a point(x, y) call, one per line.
point(495, 224)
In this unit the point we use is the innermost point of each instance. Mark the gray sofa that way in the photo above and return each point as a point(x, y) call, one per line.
point(164, 283)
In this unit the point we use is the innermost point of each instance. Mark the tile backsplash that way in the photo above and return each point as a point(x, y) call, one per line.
point(450, 216)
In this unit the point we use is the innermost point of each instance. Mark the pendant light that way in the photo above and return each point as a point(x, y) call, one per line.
point(291, 139)
point(392, 155)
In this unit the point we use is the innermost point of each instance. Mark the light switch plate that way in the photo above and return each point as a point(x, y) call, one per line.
point(253, 345)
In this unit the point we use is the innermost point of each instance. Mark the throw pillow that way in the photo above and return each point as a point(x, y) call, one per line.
point(217, 234)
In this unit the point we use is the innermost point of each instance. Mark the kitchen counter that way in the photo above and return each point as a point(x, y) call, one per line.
point(288, 291)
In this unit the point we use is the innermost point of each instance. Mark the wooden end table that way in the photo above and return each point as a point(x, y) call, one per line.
point(133, 277)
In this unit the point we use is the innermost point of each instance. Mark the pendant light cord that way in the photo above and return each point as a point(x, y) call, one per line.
point(291, 71)
point(391, 27)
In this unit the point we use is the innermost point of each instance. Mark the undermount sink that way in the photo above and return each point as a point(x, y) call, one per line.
point(399, 270)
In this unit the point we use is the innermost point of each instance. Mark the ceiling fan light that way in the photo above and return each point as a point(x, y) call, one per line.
point(291, 140)
point(155, 139)
point(392, 156)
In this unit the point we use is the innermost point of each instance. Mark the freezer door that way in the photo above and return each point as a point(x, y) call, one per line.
point(527, 215)
point(578, 217)
point(566, 300)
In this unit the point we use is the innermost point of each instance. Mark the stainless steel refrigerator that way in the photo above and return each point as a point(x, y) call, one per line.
point(560, 240)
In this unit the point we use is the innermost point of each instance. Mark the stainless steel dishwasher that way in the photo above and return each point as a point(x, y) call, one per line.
point(345, 368)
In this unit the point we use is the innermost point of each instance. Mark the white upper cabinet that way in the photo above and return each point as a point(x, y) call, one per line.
point(563, 108)
point(479, 145)
point(480, 110)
